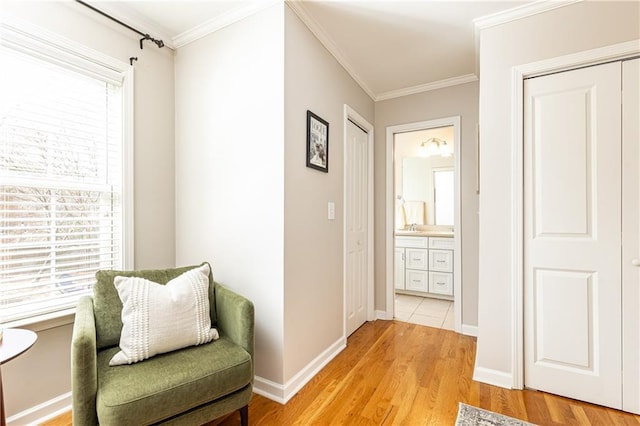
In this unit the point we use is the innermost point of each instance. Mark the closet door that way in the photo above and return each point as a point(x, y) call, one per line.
point(356, 218)
point(572, 152)
point(631, 235)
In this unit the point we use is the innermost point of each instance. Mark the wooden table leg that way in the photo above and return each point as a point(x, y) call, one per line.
point(3, 420)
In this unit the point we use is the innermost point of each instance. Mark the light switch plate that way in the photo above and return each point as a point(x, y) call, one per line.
point(331, 210)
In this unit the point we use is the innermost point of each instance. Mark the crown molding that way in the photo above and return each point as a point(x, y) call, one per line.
point(440, 84)
point(134, 19)
point(324, 38)
point(222, 21)
point(520, 12)
point(510, 15)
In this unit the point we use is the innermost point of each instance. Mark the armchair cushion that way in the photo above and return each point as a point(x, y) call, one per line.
point(169, 383)
point(162, 318)
point(107, 305)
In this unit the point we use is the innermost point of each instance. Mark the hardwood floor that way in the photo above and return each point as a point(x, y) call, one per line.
point(400, 373)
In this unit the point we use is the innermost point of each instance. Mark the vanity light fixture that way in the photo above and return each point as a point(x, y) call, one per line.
point(445, 149)
point(434, 146)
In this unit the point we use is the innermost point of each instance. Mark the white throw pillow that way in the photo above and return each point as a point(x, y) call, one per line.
point(160, 318)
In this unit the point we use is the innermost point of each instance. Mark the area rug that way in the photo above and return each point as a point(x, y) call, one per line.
point(473, 416)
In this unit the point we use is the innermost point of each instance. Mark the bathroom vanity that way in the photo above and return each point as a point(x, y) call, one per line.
point(423, 263)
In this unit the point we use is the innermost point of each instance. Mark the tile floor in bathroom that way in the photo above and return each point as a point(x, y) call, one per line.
point(424, 311)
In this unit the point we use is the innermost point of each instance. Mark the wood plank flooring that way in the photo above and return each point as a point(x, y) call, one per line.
point(406, 374)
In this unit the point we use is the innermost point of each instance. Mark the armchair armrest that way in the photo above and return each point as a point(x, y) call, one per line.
point(235, 317)
point(84, 379)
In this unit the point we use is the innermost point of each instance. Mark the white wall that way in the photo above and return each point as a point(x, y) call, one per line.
point(246, 201)
point(230, 168)
point(313, 292)
point(459, 100)
point(578, 27)
point(43, 372)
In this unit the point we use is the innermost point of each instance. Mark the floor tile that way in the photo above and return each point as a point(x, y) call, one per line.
point(426, 311)
point(449, 324)
point(433, 307)
point(426, 320)
point(408, 304)
point(402, 316)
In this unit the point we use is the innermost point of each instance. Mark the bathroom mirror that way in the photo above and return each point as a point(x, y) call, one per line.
point(425, 181)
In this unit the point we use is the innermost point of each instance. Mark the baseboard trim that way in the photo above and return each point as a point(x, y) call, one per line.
point(382, 315)
point(269, 389)
point(470, 330)
point(493, 377)
point(283, 393)
point(42, 412)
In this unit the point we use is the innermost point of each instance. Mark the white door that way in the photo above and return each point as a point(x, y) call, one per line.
point(357, 187)
point(631, 236)
point(572, 238)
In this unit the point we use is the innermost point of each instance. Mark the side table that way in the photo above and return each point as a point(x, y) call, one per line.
point(15, 342)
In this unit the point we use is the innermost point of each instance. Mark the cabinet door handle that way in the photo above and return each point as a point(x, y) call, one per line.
point(635, 262)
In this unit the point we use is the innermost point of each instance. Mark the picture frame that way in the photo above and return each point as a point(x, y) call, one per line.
point(317, 143)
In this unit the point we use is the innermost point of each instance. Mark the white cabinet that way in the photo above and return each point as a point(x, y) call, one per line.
point(441, 260)
point(441, 283)
point(416, 266)
point(424, 265)
point(412, 264)
point(441, 243)
point(416, 280)
point(416, 259)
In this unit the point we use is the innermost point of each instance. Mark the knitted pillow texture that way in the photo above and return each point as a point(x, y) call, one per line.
point(160, 318)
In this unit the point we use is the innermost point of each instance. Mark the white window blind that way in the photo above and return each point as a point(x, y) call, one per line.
point(61, 181)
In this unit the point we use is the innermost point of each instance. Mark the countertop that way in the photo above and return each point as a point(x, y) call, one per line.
point(441, 234)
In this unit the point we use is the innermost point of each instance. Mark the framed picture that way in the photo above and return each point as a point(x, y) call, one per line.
point(317, 143)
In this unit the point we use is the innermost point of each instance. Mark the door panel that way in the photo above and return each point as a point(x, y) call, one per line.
point(562, 170)
point(572, 234)
point(564, 307)
point(631, 235)
point(357, 192)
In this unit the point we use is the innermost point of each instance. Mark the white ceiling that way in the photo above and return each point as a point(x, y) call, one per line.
point(389, 47)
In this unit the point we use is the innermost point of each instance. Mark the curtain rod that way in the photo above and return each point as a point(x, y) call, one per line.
point(159, 43)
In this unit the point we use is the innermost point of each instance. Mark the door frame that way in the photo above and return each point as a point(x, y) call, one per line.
point(390, 212)
point(351, 114)
point(518, 75)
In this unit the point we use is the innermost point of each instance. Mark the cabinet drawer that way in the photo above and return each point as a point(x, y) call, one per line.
point(441, 283)
point(441, 260)
point(412, 242)
point(417, 280)
point(441, 243)
point(416, 259)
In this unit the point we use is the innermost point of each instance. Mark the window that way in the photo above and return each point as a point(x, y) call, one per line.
point(443, 194)
point(62, 201)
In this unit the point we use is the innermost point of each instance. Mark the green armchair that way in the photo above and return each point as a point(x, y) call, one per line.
point(188, 386)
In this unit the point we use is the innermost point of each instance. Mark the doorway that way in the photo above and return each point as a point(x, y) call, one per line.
point(423, 241)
